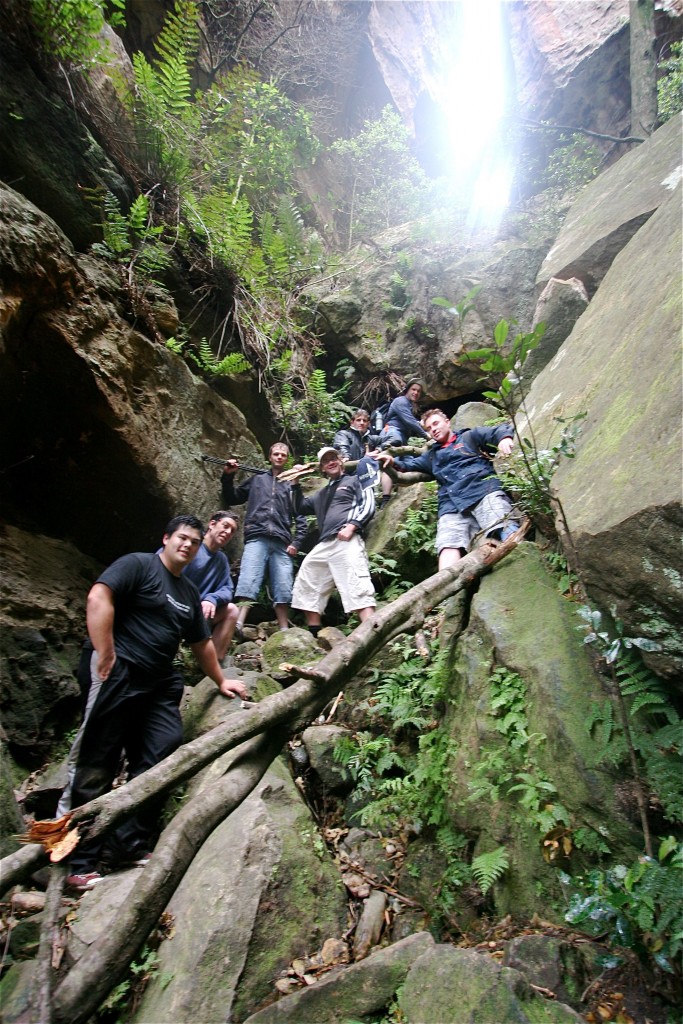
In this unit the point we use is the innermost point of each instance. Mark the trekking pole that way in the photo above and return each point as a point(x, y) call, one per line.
point(215, 461)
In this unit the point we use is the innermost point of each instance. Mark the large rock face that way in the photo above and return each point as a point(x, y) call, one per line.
point(519, 621)
point(97, 413)
point(42, 623)
point(382, 315)
point(612, 208)
point(571, 59)
point(622, 492)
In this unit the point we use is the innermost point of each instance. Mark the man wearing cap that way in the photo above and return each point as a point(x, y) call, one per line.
point(343, 508)
point(210, 572)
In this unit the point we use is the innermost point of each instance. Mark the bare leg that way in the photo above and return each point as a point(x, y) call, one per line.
point(244, 607)
point(387, 485)
point(364, 613)
point(313, 618)
point(224, 623)
point(448, 557)
point(282, 615)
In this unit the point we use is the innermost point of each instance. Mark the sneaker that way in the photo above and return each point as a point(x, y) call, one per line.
point(84, 882)
point(140, 860)
point(384, 500)
point(238, 635)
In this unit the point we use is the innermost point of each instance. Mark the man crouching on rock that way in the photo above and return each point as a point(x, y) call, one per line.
point(138, 612)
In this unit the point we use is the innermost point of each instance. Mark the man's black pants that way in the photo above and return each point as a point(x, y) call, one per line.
point(136, 712)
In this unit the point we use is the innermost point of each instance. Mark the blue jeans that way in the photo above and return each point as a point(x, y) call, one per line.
point(258, 554)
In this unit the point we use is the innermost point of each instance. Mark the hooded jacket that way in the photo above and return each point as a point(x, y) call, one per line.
point(270, 511)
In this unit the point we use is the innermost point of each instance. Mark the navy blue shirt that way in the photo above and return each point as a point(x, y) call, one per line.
point(463, 471)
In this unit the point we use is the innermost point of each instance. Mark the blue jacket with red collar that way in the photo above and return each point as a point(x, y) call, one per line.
point(461, 468)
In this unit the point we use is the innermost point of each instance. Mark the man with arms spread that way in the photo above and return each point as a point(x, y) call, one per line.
point(210, 572)
point(342, 508)
point(267, 533)
point(138, 611)
point(471, 497)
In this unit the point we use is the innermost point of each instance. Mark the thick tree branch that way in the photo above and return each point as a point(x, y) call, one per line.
point(528, 123)
point(39, 1010)
point(293, 707)
point(106, 961)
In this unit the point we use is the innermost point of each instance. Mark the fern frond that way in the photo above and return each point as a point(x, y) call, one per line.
point(139, 214)
point(180, 33)
point(487, 868)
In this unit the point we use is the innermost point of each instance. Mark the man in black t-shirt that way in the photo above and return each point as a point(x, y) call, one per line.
point(138, 612)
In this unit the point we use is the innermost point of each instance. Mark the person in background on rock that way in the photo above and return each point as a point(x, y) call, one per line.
point(268, 536)
point(354, 441)
point(471, 497)
point(138, 611)
point(343, 508)
point(210, 573)
point(401, 424)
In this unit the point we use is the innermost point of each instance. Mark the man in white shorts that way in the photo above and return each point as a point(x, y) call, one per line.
point(471, 498)
point(343, 507)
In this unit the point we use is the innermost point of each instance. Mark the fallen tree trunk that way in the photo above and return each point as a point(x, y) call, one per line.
point(294, 707)
point(106, 961)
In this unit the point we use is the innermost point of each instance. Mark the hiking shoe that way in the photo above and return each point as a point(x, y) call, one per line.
point(84, 882)
point(140, 860)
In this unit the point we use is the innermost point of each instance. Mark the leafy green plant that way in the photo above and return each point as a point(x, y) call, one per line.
point(487, 868)
point(71, 30)
point(230, 365)
point(310, 413)
point(399, 299)
point(648, 731)
point(670, 83)
point(387, 578)
point(567, 581)
point(124, 996)
point(511, 769)
point(572, 163)
point(417, 529)
point(637, 907)
point(367, 756)
point(384, 183)
point(133, 241)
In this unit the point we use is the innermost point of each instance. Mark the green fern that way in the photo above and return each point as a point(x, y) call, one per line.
point(487, 868)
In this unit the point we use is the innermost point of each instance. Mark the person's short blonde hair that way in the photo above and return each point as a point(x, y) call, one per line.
point(434, 412)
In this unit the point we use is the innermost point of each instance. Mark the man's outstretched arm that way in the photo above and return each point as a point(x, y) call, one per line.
point(205, 653)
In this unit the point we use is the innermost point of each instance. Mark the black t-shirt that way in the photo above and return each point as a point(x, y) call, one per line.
point(154, 611)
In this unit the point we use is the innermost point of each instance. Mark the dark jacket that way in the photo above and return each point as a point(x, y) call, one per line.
point(351, 444)
point(460, 467)
point(270, 511)
point(339, 502)
point(401, 424)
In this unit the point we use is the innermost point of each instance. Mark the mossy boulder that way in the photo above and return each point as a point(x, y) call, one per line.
point(267, 893)
point(519, 621)
point(450, 986)
point(621, 493)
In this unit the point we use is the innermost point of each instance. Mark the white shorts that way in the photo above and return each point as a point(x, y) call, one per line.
point(494, 512)
point(334, 563)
